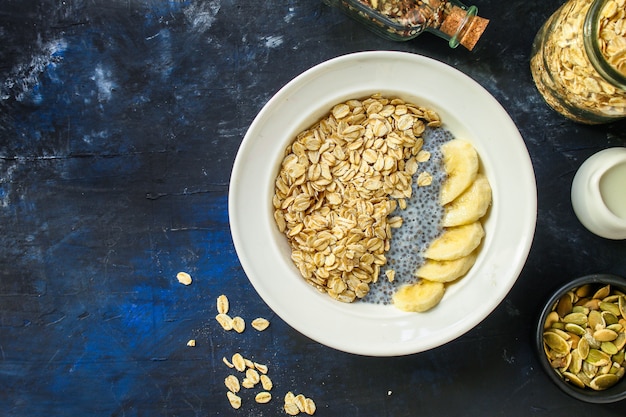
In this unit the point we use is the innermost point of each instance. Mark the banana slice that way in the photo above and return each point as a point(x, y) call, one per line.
point(419, 297)
point(470, 206)
point(446, 271)
point(456, 242)
point(460, 162)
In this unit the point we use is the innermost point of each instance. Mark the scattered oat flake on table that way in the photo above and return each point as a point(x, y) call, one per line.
point(247, 383)
point(232, 383)
point(263, 397)
point(260, 324)
point(266, 382)
point(239, 362)
point(292, 409)
point(260, 367)
point(295, 404)
point(238, 324)
point(253, 376)
point(225, 321)
point(191, 343)
point(227, 363)
point(235, 400)
point(184, 278)
point(222, 304)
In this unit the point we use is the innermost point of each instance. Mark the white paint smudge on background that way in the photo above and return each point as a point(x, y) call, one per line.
point(273, 41)
point(25, 75)
point(6, 183)
point(89, 138)
point(104, 83)
point(290, 15)
point(201, 15)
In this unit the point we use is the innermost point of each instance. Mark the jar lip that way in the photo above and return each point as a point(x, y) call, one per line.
point(590, 40)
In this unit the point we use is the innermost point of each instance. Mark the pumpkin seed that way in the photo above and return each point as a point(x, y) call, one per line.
point(603, 382)
point(583, 348)
point(561, 333)
point(583, 290)
point(598, 358)
point(613, 308)
point(564, 306)
point(592, 304)
point(605, 369)
point(584, 378)
point(614, 368)
point(589, 370)
point(617, 327)
point(562, 363)
point(581, 309)
point(576, 363)
point(602, 292)
point(604, 335)
point(574, 340)
point(574, 379)
point(575, 328)
point(576, 318)
point(620, 342)
point(595, 320)
point(556, 343)
point(609, 348)
point(552, 318)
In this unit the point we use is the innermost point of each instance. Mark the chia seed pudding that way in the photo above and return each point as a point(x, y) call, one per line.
point(421, 223)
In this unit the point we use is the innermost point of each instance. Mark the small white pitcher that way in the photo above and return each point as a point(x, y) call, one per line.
point(599, 193)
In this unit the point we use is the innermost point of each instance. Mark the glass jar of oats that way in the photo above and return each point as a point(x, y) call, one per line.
point(578, 60)
point(402, 20)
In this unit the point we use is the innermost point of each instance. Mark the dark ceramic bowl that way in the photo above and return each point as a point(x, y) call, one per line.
point(613, 394)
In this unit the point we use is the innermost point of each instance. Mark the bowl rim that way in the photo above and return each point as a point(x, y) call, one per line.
point(610, 395)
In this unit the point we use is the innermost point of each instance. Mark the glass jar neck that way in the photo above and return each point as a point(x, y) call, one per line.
point(591, 39)
point(461, 26)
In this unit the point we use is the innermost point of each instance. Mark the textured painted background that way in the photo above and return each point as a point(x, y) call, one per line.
point(119, 124)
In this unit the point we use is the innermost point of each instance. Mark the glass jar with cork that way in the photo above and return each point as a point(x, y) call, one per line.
point(578, 60)
point(402, 20)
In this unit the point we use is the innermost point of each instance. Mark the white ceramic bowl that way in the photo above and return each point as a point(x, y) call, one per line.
point(468, 111)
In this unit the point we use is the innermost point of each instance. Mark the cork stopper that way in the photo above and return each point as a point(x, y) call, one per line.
point(464, 27)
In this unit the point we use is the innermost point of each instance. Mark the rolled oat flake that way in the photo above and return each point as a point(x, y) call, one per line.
point(402, 20)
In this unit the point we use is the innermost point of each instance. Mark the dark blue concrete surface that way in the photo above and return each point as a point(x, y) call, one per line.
point(119, 124)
